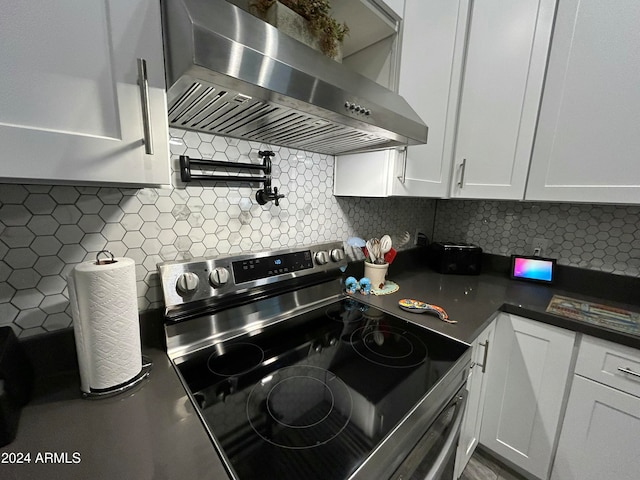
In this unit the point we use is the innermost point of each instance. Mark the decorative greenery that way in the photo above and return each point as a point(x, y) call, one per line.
point(318, 13)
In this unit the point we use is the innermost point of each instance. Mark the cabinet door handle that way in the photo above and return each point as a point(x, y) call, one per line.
point(143, 82)
point(486, 354)
point(403, 177)
point(463, 166)
point(629, 371)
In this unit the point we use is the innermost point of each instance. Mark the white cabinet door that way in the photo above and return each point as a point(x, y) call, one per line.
point(504, 71)
point(587, 146)
point(530, 368)
point(431, 62)
point(476, 386)
point(430, 75)
point(600, 435)
point(70, 104)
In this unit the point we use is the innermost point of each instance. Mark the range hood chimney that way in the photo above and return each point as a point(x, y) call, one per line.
point(231, 74)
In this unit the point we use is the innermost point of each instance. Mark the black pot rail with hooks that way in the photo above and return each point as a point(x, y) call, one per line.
point(263, 195)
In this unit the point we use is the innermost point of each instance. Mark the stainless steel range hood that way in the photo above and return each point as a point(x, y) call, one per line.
point(231, 74)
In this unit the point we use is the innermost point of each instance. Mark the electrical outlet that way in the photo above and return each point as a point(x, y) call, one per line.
point(539, 246)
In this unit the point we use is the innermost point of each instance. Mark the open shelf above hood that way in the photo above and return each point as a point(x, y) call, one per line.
point(232, 74)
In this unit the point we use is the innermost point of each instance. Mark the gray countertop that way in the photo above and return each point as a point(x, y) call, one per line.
point(153, 432)
point(474, 300)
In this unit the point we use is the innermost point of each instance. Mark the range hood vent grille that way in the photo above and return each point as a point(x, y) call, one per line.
point(231, 74)
point(223, 112)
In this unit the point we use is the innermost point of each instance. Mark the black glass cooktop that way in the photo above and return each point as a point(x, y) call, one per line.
point(311, 397)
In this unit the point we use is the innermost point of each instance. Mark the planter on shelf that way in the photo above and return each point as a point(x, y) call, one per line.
point(292, 24)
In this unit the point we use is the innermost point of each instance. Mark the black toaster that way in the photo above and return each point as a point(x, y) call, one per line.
point(458, 258)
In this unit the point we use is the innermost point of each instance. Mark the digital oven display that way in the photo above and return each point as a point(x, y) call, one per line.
point(257, 268)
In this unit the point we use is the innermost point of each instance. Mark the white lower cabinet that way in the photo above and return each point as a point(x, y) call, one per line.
point(600, 436)
point(476, 386)
point(529, 370)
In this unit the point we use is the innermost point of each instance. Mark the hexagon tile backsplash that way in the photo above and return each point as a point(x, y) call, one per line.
point(46, 230)
point(596, 237)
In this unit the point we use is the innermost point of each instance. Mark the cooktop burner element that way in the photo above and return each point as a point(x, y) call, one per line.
point(389, 346)
point(299, 407)
point(238, 358)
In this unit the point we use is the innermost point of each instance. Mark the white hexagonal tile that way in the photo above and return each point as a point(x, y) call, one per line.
point(151, 246)
point(89, 204)
point(133, 239)
point(15, 237)
point(72, 253)
point(46, 245)
point(14, 215)
point(51, 285)
point(42, 224)
point(182, 227)
point(20, 258)
point(40, 203)
point(116, 247)
point(69, 234)
point(54, 304)
point(167, 237)
point(67, 214)
point(6, 292)
point(111, 213)
point(149, 213)
point(57, 321)
point(93, 242)
point(33, 317)
point(64, 195)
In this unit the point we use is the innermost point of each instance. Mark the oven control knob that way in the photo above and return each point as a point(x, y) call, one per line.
point(322, 257)
point(219, 276)
point(337, 255)
point(187, 283)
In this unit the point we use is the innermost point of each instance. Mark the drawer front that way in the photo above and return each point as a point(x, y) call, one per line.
point(609, 363)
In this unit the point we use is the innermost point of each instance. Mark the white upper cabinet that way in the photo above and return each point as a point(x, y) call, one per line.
point(430, 75)
point(71, 107)
point(431, 64)
point(587, 146)
point(508, 43)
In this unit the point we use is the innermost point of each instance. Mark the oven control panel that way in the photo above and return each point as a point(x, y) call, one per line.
point(202, 279)
point(257, 268)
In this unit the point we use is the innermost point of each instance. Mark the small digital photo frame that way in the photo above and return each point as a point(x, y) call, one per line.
point(533, 269)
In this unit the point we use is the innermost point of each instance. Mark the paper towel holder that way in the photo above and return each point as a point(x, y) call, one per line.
point(105, 262)
point(95, 393)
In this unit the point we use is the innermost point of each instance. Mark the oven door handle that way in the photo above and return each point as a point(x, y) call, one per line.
point(420, 454)
point(451, 443)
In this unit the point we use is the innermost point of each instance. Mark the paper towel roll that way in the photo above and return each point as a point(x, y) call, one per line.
point(104, 307)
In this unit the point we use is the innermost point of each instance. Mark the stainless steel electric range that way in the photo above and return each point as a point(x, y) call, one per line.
point(293, 379)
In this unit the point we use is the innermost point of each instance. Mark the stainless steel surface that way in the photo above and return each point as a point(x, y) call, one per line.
point(419, 455)
point(143, 82)
point(232, 74)
point(388, 456)
point(463, 166)
point(486, 355)
point(628, 371)
point(198, 333)
point(188, 283)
